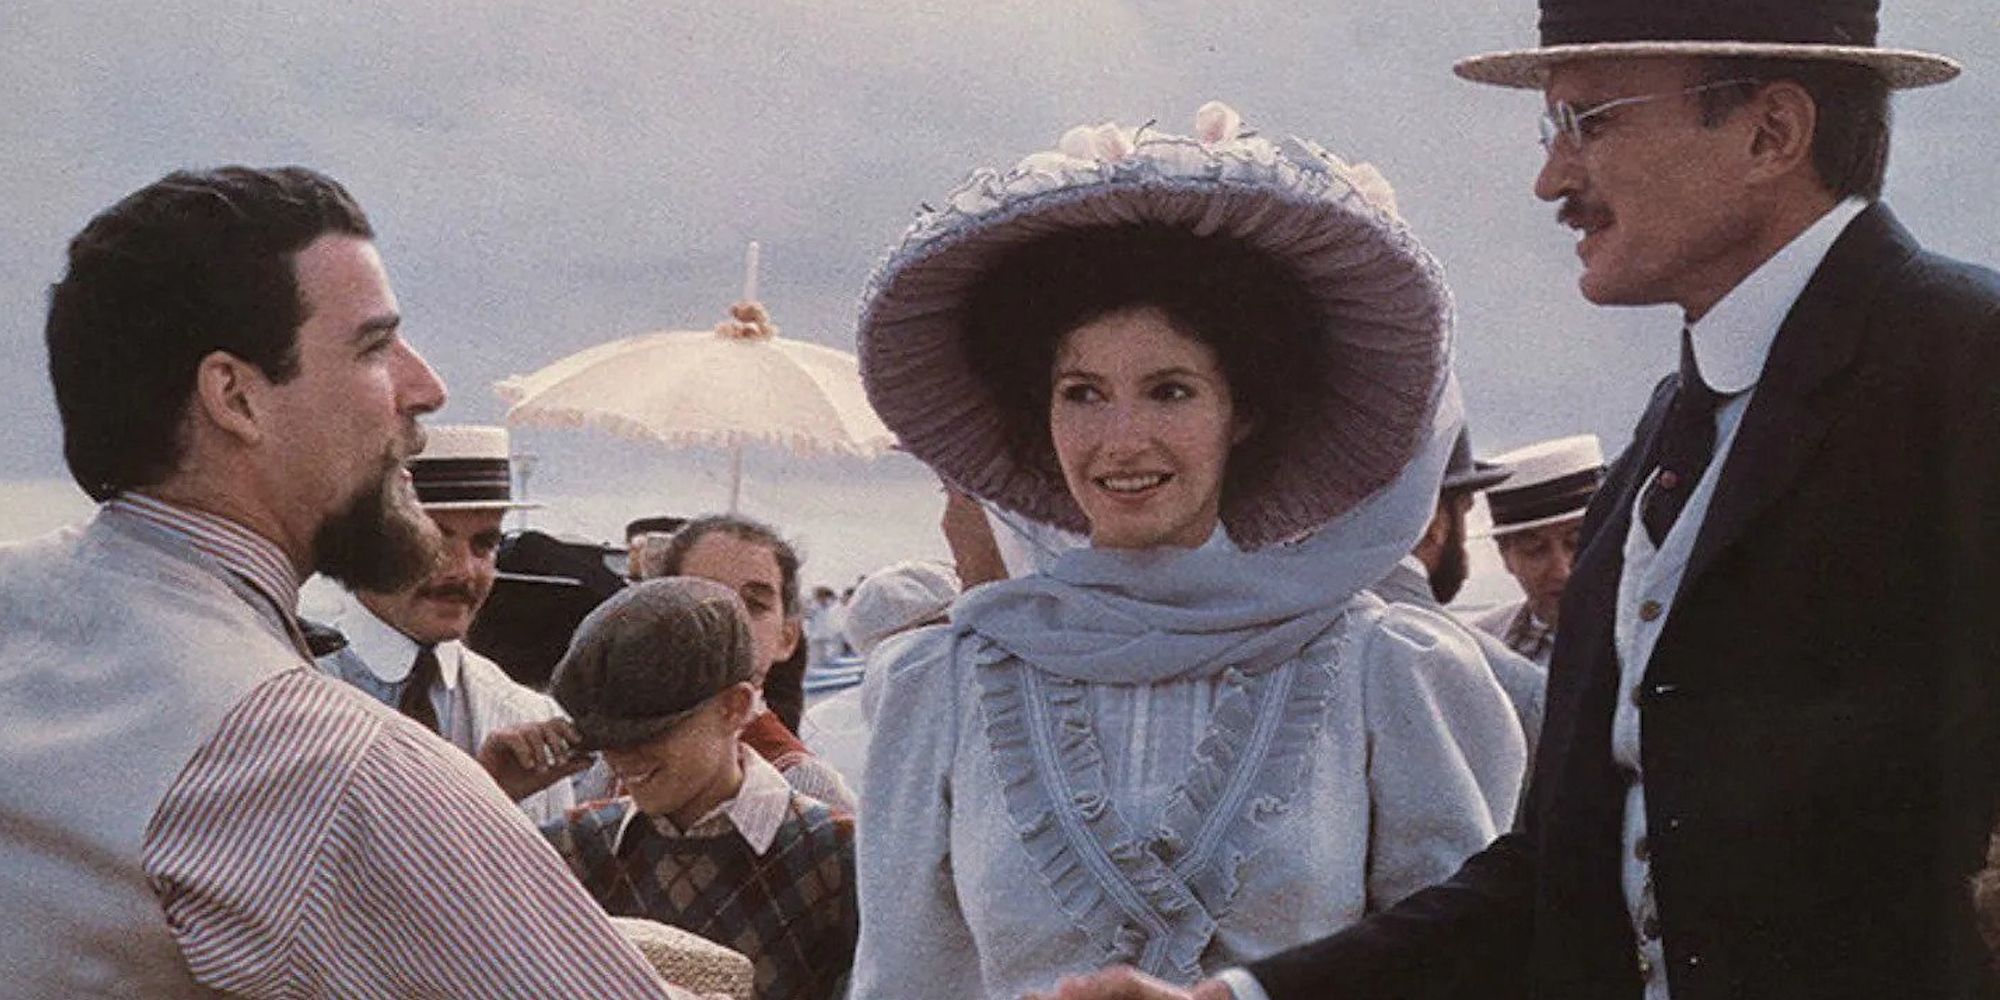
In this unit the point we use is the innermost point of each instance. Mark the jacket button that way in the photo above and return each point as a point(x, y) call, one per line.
point(1650, 611)
point(1668, 479)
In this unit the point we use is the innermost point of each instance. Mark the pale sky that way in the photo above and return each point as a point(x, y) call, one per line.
point(549, 176)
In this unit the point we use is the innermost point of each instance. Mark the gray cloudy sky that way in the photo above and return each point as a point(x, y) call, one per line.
point(549, 175)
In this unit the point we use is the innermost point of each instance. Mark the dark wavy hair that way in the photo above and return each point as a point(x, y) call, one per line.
point(1248, 307)
point(196, 262)
point(784, 686)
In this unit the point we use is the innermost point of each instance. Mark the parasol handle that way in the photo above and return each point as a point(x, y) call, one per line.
point(750, 272)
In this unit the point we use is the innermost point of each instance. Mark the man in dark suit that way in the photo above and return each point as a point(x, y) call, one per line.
point(1768, 764)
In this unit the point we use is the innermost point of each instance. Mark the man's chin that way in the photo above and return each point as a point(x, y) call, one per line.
point(382, 541)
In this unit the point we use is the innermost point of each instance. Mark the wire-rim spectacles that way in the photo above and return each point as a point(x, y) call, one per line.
point(1563, 124)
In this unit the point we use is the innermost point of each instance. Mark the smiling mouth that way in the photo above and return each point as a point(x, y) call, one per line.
point(1133, 484)
point(635, 780)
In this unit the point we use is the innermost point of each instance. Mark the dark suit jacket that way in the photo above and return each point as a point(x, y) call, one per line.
point(1819, 714)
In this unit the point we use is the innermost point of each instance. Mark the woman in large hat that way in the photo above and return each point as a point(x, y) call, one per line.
point(1198, 740)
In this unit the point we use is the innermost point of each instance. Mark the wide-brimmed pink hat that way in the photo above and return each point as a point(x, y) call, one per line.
point(1383, 309)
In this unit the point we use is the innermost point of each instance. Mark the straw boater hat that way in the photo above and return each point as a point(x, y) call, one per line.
point(1831, 30)
point(1383, 308)
point(465, 467)
point(1552, 482)
point(688, 960)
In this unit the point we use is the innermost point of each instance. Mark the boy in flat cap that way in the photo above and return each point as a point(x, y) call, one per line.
point(709, 837)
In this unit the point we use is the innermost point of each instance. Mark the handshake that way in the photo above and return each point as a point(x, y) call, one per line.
point(1125, 983)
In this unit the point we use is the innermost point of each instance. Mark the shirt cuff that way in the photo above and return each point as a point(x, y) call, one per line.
point(1242, 984)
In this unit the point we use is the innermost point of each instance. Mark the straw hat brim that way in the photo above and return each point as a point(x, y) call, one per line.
point(1385, 312)
point(483, 505)
point(1528, 69)
point(1541, 522)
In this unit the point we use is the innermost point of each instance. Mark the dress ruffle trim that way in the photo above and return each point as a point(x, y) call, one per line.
point(1152, 901)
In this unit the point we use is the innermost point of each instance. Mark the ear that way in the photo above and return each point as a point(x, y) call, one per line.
point(1783, 121)
point(1241, 427)
point(788, 641)
point(227, 392)
point(737, 701)
point(1439, 529)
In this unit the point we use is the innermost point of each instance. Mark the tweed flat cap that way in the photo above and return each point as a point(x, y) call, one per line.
point(649, 656)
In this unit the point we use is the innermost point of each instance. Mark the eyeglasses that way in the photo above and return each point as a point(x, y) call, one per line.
point(1563, 123)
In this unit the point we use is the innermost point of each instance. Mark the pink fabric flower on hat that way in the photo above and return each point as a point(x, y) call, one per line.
point(1106, 143)
point(1216, 122)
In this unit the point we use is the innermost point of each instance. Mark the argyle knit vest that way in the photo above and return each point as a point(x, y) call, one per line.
point(791, 911)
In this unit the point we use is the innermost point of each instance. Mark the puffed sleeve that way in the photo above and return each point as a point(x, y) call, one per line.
point(1445, 753)
point(914, 939)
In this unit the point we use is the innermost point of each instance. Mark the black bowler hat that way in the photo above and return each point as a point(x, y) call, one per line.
point(1465, 473)
point(1832, 30)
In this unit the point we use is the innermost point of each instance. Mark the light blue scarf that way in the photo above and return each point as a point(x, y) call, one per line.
point(1126, 616)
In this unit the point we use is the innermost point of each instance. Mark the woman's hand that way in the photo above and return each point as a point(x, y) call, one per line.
point(970, 537)
point(525, 759)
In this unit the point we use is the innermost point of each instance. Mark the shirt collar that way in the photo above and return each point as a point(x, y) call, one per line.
point(258, 560)
point(386, 651)
point(755, 813)
point(1732, 342)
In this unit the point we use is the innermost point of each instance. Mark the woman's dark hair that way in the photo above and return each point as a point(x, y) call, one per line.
point(1243, 304)
point(784, 686)
point(193, 263)
point(1850, 150)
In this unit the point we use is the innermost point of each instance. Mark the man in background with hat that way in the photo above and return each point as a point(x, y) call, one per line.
point(1434, 572)
point(1537, 520)
point(1768, 768)
point(188, 808)
point(405, 648)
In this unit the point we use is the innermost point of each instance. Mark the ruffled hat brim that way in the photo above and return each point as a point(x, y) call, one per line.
point(1385, 310)
point(1528, 69)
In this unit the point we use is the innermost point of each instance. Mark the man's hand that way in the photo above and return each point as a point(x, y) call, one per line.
point(524, 760)
point(1126, 983)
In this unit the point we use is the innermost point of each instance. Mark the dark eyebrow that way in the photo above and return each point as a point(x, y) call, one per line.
point(1175, 371)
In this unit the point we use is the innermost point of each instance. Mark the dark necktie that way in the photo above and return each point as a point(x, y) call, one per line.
point(1687, 443)
point(415, 701)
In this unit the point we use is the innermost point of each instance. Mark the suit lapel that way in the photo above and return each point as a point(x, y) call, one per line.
point(1797, 392)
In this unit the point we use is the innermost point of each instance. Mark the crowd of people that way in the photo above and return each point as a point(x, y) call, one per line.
point(1192, 713)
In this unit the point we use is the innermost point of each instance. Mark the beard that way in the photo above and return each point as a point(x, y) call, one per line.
point(382, 541)
point(1453, 564)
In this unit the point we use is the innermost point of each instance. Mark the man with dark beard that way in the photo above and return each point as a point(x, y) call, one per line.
point(188, 808)
point(1432, 574)
point(403, 645)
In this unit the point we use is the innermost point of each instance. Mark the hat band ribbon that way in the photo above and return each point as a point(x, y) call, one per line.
point(1827, 23)
point(462, 480)
point(1560, 495)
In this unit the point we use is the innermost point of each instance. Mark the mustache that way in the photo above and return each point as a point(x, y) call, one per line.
point(442, 591)
point(1576, 214)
